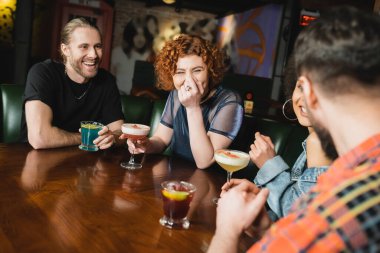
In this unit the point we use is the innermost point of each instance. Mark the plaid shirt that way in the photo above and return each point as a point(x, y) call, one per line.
point(340, 214)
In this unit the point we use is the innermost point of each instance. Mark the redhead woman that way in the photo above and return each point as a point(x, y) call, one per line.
point(200, 116)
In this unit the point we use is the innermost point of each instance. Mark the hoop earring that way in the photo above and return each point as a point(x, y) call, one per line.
point(283, 110)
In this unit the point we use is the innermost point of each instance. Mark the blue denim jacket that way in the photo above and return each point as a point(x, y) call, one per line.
point(286, 186)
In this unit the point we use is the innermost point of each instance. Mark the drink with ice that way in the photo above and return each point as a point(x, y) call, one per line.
point(176, 197)
point(89, 132)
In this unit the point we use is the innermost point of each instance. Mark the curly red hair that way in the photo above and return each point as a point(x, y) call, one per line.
point(166, 61)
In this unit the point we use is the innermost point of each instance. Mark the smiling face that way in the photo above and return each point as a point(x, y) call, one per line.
point(83, 54)
point(191, 69)
point(299, 106)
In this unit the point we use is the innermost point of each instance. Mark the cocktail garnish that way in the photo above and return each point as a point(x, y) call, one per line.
point(136, 126)
point(229, 154)
point(175, 195)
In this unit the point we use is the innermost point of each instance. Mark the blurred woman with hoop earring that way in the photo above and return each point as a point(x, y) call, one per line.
point(285, 183)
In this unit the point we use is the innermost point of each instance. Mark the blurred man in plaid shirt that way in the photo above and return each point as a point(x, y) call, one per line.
point(338, 64)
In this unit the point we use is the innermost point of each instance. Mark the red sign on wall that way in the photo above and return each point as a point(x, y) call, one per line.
point(307, 16)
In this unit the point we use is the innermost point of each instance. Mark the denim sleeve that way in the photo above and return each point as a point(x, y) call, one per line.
point(275, 175)
point(283, 191)
point(271, 169)
point(309, 178)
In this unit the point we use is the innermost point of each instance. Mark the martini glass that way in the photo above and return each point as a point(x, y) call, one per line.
point(134, 132)
point(230, 161)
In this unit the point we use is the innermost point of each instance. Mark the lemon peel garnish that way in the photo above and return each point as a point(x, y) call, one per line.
point(175, 195)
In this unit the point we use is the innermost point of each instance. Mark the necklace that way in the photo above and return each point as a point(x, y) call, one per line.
point(84, 93)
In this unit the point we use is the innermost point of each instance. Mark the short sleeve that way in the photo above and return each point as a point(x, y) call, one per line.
point(167, 117)
point(228, 117)
point(39, 85)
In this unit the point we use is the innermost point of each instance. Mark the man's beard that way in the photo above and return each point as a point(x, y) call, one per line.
point(325, 138)
point(76, 65)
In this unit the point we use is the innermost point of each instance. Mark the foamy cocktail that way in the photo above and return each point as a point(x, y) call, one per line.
point(231, 160)
point(134, 132)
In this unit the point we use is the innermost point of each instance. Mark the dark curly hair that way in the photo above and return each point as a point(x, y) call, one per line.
point(290, 77)
point(166, 61)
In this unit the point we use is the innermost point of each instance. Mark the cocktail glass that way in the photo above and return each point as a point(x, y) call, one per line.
point(89, 132)
point(176, 197)
point(230, 161)
point(134, 132)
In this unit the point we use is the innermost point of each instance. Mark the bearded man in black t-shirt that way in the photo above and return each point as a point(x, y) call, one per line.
point(60, 95)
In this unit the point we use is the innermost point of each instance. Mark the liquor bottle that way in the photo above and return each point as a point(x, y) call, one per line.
point(248, 103)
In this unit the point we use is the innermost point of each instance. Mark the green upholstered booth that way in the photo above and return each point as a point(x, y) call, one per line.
point(11, 103)
point(277, 131)
point(293, 147)
point(136, 109)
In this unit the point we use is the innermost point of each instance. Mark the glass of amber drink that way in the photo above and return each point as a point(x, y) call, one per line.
point(176, 197)
point(231, 161)
point(134, 132)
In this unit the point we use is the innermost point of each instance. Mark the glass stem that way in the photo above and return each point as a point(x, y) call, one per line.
point(132, 158)
point(229, 175)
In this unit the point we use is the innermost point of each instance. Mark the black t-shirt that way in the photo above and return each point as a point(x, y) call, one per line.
point(97, 100)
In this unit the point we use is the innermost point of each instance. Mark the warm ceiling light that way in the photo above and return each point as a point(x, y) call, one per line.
point(169, 1)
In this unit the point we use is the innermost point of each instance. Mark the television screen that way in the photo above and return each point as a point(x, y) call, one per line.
point(250, 39)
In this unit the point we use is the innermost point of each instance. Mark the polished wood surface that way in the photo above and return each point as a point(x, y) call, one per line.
point(69, 200)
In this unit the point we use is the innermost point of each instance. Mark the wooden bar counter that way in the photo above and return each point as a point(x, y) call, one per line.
point(69, 200)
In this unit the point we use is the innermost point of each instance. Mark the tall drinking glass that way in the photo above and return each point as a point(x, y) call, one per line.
point(230, 161)
point(134, 132)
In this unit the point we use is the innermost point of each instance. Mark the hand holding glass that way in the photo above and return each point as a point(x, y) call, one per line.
point(134, 132)
point(230, 161)
point(89, 132)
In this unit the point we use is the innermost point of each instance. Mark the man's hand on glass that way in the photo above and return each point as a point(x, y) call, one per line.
point(241, 198)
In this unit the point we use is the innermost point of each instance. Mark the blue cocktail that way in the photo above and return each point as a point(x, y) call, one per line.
point(89, 130)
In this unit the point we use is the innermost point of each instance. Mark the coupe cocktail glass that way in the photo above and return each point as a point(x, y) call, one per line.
point(230, 161)
point(176, 197)
point(134, 132)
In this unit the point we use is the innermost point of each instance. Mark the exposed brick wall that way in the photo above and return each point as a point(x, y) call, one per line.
point(377, 7)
